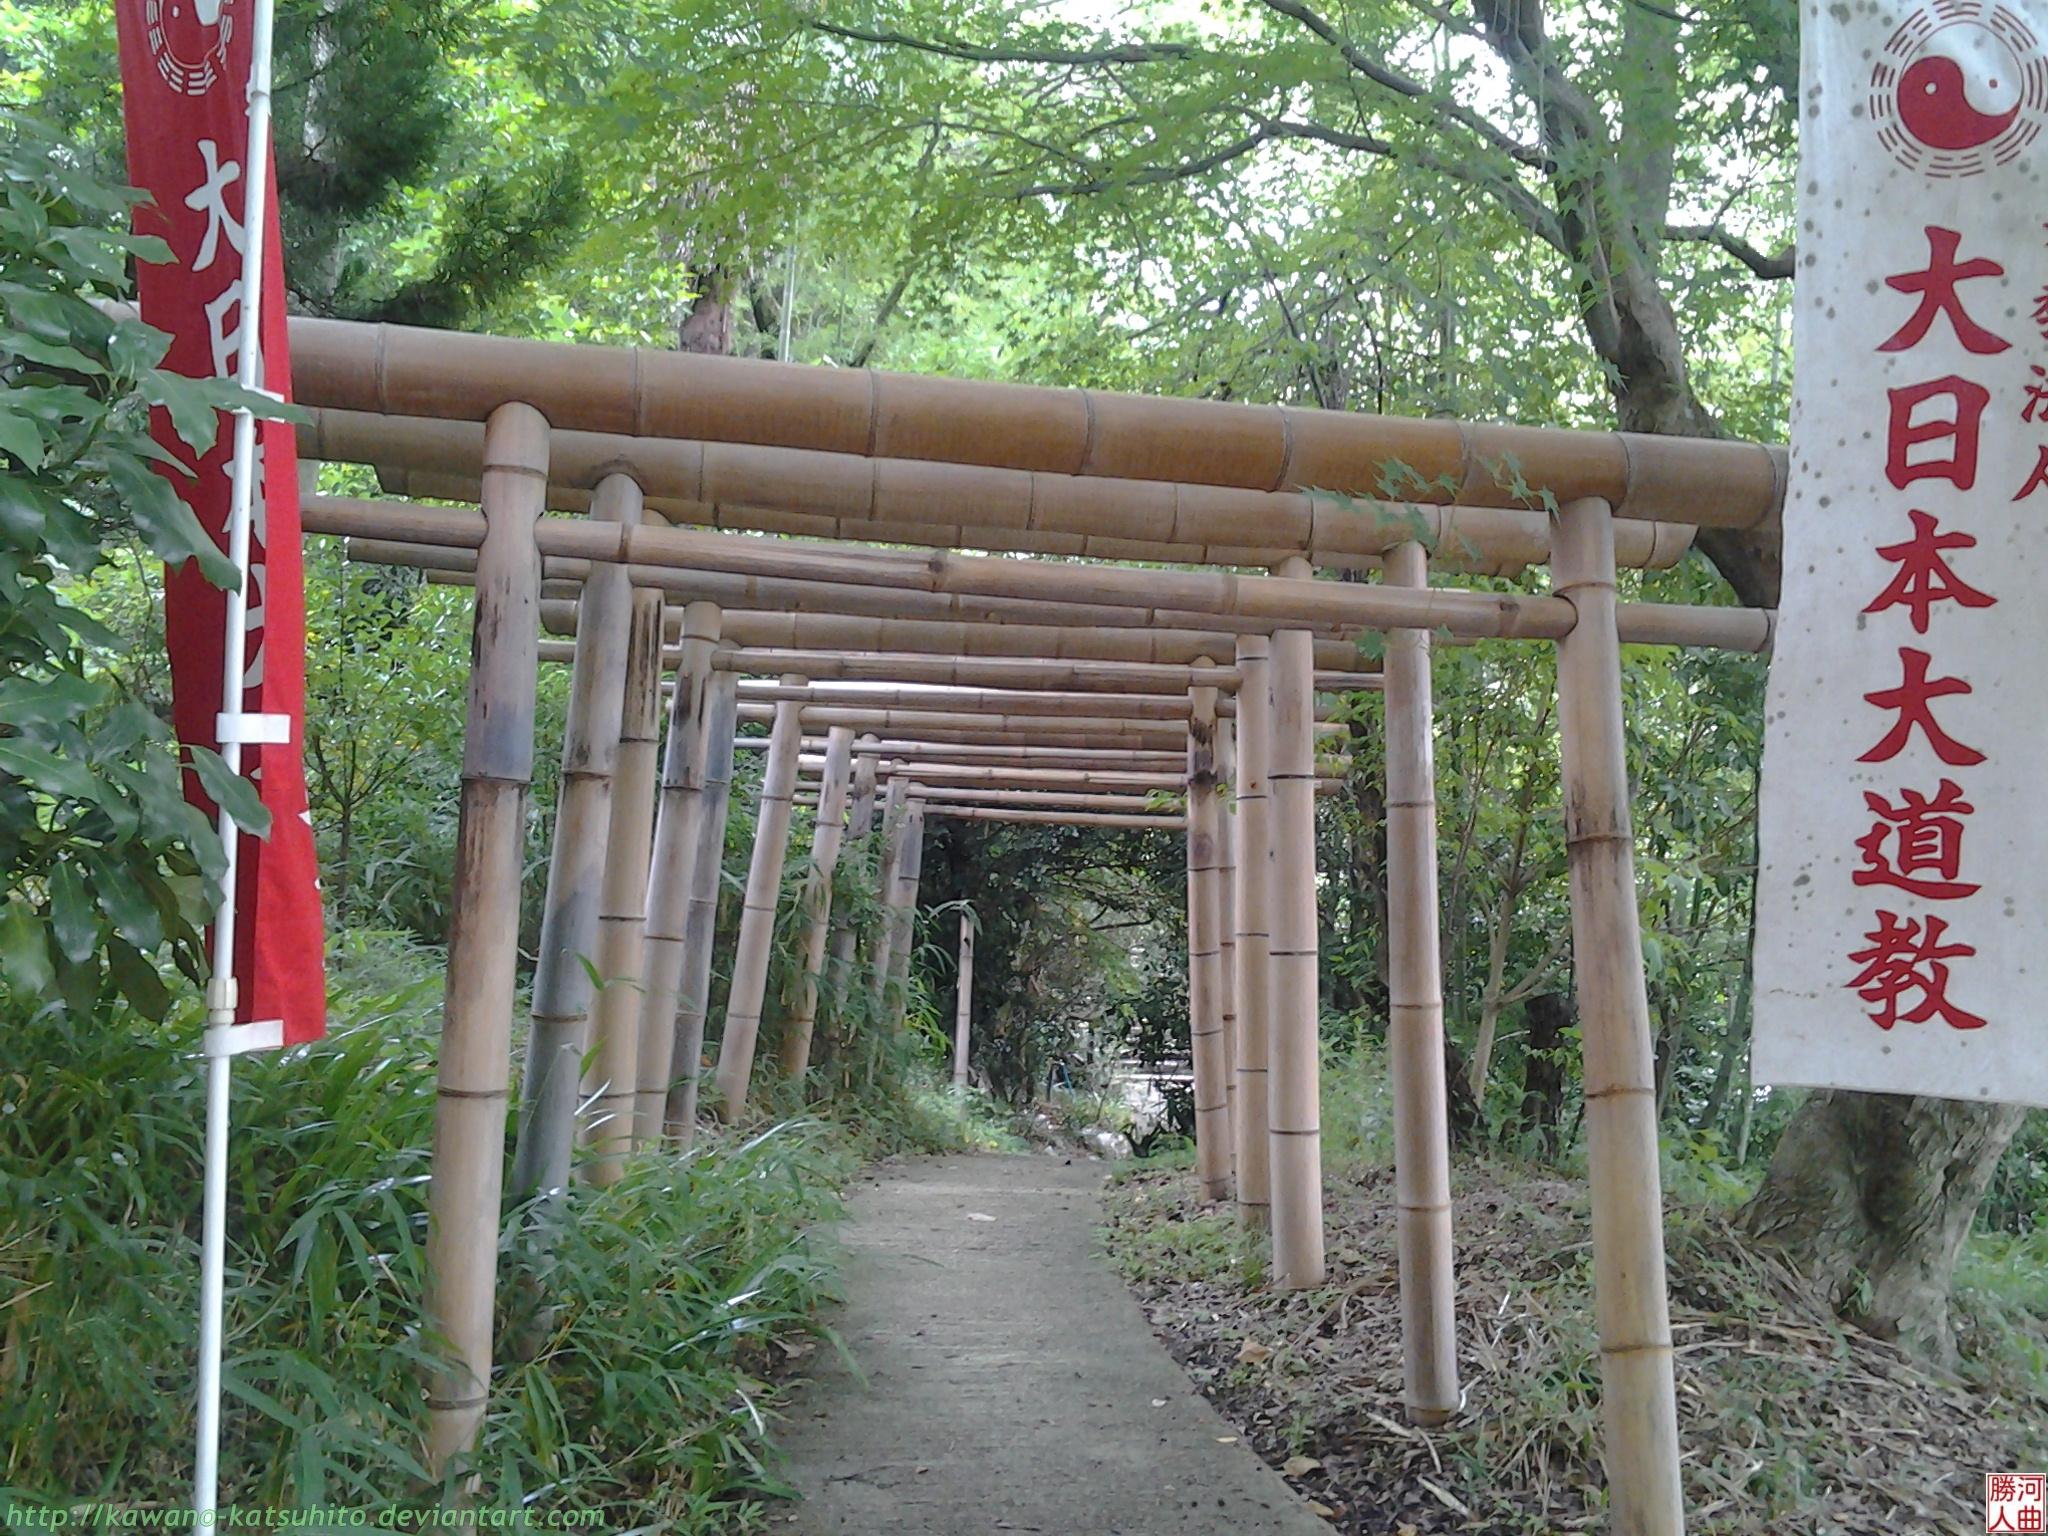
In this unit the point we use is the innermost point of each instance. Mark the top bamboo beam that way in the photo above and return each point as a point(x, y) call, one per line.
point(643, 392)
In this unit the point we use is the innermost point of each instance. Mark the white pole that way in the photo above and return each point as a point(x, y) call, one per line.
point(223, 1039)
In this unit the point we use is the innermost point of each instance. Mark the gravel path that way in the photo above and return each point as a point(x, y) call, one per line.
point(1006, 1380)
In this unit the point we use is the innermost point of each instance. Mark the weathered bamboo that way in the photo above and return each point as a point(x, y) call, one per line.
point(749, 988)
point(568, 924)
point(1415, 1025)
point(678, 823)
point(659, 393)
point(1207, 1045)
point(909, 873)
point(1214, 596)
point(1253, 906)
point(963, 1007)
point(1294, 1110)
point(611, 1078)
point(993, 672)
point(700, 925)
point(894, 815)
point(817, 899)
point(860, 821)
point(1638, 1398)
point(1226, 926)
point(1050, 818)
point(467, 1181)
point(1048, 800)
point(1002, 703)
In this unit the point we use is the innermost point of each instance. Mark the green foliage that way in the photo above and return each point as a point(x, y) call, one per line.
point(103, 864)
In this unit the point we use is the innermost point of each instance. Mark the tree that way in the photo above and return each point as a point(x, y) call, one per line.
point(1625, 154)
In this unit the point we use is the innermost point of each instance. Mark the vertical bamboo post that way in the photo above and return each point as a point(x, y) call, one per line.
point(1638, 1399)
point(757, 915)
point(963, 1010)
point(568, 922)
point(1253, 906)
point(1294, 1107)
point(611, 1078)
point(1226, 926)
point(825, 843)
point(909, 875)
point(893, 817)
point(1415, 1030)
point(700, 923)
point(860, 820)
point(676, 829)
point(483, 937)
point(1207, 1049)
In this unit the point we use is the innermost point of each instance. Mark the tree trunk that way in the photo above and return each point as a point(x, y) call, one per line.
point(1545, 1020)
point(1871, 1196)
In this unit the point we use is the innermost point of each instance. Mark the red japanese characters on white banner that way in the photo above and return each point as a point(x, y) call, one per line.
point(1902, 925)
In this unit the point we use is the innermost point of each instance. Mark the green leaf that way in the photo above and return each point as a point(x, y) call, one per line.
point(18, 436)
point(72, 923)
point(139, 981)
point(231, 791)
point(59, 777)
point(24, 958)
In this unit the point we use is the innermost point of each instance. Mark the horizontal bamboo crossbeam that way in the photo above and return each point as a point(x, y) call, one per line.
point(1277, 602)
point(995, 702)
point(646, 392)
point(753, 488)
point(1057, 818)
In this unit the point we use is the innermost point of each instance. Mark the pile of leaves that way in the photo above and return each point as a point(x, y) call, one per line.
point(1791, 1422)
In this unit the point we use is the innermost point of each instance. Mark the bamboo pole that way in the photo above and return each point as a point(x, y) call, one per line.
point(1215, 597)
point(1294, 1110)
point(909, 872)
point(1253, 906)
point(1003, 703)
point(963, 1010)
point(1048, 800)
point(1226, 926)
point(1208, 1047)
point(860, 821)
point(1638, 1397)
point(657, 393)
point(894, 818)
point(757, 915)
point(467, 1181)
point(611, 1079)
point(1415, 1031)
point(568, 925)
point(950, 812)
point(963, 672)
point(700, 924)
point(825, 842)
point(678, 823)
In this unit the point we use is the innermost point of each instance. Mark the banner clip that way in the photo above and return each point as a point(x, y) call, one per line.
point(241, 1039)
point(252, 730)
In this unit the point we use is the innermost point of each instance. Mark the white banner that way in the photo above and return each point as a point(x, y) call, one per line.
point(1902, 924)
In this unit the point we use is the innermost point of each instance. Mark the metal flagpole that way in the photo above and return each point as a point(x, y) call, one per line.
point(225, 1039)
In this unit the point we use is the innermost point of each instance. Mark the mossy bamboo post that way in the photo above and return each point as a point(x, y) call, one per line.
point(909, 875)
point(700, 925)
point(678, 822)
point(893, 814)
point(757, 915)
point(963, 1007)
point(611, 1078)
point(1415, 1044)
point(1253, 907)
point(1226, 920)
point(1208, 1048)
point(568, 923)
point(860, 821)
point(1293, 1102)
point(467, 1182)
point(1638, 1398)
point(817, 899)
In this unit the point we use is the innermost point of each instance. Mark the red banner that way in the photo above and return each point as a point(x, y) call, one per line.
point(184, 73)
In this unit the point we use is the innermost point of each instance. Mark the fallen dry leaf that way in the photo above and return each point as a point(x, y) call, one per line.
point(1300, 1466)
point(1316, 1507)
point(1251, 1352)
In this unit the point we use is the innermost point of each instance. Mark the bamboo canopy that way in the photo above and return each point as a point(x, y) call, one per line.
point(405, 371)
point(1280, 602)
point(753, 488)
point(1159, 823)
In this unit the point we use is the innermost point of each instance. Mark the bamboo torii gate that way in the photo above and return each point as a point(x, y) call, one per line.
point(520, 426)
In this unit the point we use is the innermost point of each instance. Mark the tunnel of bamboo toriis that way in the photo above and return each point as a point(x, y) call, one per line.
point(904, 681)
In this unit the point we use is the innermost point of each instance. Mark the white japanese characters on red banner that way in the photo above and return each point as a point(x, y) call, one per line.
point(1902, 921)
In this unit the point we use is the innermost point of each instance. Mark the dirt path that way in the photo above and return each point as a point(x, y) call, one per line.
point(1007, 1381)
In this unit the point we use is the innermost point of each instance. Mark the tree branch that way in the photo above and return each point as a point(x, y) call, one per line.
point(1771, 268)
point(1122, 53)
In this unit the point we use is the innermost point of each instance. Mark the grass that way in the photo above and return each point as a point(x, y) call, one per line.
point(650, 1388)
